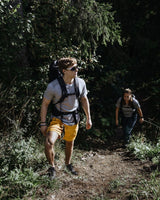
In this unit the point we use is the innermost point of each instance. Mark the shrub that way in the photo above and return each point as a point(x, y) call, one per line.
point(144, 149)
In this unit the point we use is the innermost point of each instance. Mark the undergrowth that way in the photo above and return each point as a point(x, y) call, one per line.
point(22, 167)
point(148, 188)
point(144, 149)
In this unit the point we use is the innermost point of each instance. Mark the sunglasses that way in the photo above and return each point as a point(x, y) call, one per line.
point(74, 68)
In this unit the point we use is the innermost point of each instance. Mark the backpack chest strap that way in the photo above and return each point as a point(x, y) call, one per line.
point(64, 90)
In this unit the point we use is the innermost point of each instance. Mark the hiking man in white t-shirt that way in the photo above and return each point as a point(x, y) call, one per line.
point(65, 115)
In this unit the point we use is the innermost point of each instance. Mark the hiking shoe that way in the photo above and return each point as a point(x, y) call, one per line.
point(71, 169)
point(51, 173)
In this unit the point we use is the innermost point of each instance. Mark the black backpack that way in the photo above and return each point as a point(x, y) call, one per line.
point(54, 71)
point(53, 74)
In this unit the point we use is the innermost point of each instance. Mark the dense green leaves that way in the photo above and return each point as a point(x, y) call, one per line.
point(116, 44)
point(33, 33)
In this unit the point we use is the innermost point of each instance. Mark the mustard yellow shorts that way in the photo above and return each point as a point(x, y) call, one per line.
point(70, 132)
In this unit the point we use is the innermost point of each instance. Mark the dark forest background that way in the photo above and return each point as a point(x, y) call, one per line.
point(115, 42)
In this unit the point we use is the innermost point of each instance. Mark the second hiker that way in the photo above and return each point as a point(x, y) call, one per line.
point(126, 108)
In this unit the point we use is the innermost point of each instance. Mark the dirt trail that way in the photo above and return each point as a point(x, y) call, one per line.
point(104, 173)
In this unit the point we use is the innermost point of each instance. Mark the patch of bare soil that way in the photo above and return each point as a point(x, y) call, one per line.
point(103, 174)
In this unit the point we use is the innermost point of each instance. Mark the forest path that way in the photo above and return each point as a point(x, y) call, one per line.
point(103, 174)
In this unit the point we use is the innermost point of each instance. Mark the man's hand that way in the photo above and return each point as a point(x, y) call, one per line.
point(43, 130)
point(86, 108)
point(141, 120)
point(88, 124)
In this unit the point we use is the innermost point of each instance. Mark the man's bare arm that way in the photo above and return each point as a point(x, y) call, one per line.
point(86, 108)
point(43, 114)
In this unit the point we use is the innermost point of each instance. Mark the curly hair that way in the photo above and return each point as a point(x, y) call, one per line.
point(64, 63)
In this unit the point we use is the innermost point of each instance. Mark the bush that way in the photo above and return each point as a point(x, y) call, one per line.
point(144, 149)
point(20, 163)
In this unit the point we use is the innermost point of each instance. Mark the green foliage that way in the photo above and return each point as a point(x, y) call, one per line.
point(18, 152)
point(115, 184)
point(47, 30)
point(20, 162)
point(144, 149)
point(90, 24)
point(36, 32)
point(21, 103)
point(23, 180)
point(147, 189)
point(33, 33)
point(12, 38)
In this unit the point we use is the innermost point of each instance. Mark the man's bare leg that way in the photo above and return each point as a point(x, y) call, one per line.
point(49, 147)
point(68, 152)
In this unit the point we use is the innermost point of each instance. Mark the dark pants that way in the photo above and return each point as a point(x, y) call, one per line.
point(127, 125)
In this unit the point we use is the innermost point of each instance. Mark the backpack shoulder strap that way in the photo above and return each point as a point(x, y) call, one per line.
point(63, 89)
point(133, 106)
point(76, 86)
point(120, 103)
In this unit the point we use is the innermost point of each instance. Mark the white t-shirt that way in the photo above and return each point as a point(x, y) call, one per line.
point(70, 103)
point(126, 109)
